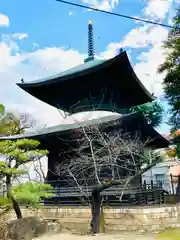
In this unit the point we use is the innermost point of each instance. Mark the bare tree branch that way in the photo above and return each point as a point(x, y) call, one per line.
point(100, 158)
point(99, 152)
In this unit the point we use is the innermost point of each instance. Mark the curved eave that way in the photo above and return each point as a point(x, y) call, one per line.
point(156, 139)
point(73, 73)
point(62, 128)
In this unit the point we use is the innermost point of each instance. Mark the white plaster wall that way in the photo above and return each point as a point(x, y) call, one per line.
point(151, 175)
point(36, 171)
point(161, 168)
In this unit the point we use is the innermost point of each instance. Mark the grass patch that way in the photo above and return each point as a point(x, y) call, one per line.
point(169, 234)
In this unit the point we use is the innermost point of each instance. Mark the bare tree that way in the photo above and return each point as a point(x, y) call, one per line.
point(28, 122)
point(104, 158)
point(35, 171)
point(39, 169)
point(13, 124)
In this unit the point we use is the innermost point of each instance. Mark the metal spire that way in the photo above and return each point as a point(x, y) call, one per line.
point(90, 42)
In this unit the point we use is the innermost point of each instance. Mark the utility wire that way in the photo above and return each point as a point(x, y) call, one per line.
point(114, 14)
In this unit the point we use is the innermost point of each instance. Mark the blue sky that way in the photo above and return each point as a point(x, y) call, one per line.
point(40, 38)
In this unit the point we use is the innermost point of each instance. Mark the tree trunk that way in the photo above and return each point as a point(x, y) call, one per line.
point(96, 209)
point(178, 190)
point(16, 208)
point(97, 200)
point(9, 195)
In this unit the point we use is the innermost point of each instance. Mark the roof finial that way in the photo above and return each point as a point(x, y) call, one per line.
point(90, 42)
point(121, 50)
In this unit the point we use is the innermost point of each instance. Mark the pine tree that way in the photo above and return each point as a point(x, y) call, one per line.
point(17, 153)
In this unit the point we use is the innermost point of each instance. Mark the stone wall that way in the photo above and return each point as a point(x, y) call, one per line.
point(116, 219)
point(23, 229)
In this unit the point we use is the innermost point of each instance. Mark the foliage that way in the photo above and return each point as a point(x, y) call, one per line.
point(2, 109)
point(171, 152)
point(31, 193)
point(5, 202)
point(21, 151)
point(17, 153)
point(171, 67)
point(10, 124)
point(153, 112)
point(175, 139)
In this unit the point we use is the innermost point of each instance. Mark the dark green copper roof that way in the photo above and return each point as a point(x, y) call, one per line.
point(63, 128)
point(114, 78)
point(129, 119)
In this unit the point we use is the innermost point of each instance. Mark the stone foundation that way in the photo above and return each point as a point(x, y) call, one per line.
point(116, 219)
point(23, 229)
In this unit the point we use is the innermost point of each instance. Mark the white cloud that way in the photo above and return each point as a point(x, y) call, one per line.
point(150, 59)
point(53, 60)
point(7, 61)
point(41, 62)
point(4, 20)
point(111, 51)
point(157, 9)
point(35, 45)
point(107, 5)
point(19, 36)
point(146, 69)
point(15, 36)
point(70, 13)
point(145, 35)
point(15, 65)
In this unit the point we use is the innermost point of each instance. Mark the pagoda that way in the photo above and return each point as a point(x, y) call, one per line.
point(95, 85)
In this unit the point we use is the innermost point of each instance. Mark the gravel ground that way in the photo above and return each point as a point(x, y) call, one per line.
point(122, 236)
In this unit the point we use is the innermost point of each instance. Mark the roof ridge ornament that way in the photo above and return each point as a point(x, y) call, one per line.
point(121, 50)
point(90, 42)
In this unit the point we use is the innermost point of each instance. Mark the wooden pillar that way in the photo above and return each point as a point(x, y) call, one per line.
point(172, 185)
point(53, 156)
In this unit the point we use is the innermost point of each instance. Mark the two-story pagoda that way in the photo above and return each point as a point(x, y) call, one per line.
point(109, 85)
